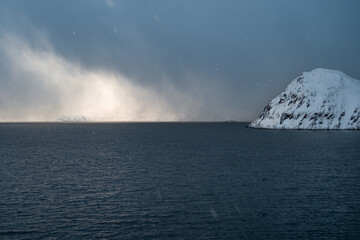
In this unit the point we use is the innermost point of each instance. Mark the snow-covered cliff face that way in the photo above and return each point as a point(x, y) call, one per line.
point(320, 99)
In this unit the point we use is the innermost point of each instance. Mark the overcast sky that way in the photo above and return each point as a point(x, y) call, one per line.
point(164, 60)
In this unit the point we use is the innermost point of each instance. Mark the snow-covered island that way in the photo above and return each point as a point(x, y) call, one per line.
point(320, 99)
point(76, 118)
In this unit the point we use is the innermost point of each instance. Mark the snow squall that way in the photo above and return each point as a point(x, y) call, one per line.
point(320, 99)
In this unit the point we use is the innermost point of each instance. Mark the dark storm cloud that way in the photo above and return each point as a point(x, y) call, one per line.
point(230, 57)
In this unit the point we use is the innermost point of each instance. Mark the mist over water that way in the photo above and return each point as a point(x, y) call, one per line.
point(43, 86)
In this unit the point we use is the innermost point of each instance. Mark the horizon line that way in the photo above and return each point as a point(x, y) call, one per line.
point(95, 122)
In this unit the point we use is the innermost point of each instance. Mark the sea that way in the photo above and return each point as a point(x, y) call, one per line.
point(177, 181)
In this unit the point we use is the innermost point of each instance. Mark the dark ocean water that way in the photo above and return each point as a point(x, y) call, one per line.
point(177, 181)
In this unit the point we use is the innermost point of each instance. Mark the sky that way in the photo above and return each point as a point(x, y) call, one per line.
point(165, 60)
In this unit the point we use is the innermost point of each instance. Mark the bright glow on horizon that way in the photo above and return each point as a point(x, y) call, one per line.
point(55, 87)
